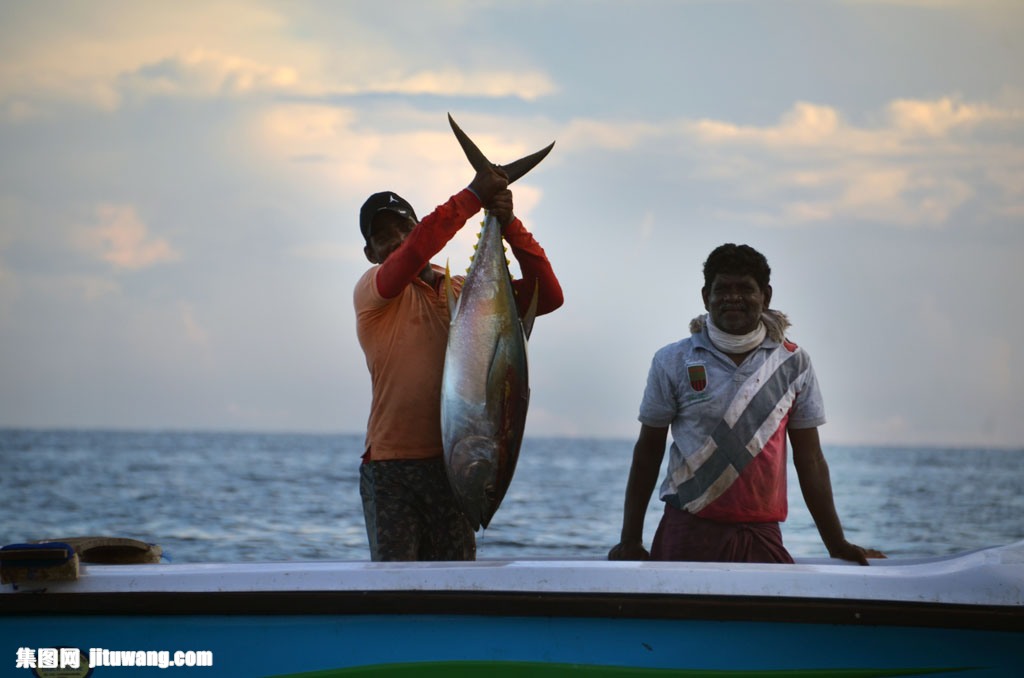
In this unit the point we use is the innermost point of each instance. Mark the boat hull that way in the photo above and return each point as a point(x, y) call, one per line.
point(281, 645)
point(547, 618)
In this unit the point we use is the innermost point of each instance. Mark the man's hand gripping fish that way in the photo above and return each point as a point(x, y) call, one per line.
point(485, 390)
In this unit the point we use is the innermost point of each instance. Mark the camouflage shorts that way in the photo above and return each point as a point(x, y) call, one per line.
point(411, 513)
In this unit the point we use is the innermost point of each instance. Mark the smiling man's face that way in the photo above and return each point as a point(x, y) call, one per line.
point(735, 302)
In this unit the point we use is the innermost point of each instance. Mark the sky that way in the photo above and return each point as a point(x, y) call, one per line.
point(180, 184)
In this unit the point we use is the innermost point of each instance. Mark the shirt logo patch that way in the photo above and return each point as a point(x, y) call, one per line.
point(698, 377)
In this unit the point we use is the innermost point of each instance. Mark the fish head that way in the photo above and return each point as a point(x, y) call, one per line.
point(473, 475)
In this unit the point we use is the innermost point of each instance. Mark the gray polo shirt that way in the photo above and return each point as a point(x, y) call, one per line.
point(692, 384)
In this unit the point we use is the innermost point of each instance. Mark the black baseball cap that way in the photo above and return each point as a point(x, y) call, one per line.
point(378, 202)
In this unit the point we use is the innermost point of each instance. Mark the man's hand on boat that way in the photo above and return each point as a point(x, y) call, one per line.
point(847, 551)
point(634, 551)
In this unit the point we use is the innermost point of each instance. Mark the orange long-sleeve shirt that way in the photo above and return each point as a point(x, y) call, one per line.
point(402, 326)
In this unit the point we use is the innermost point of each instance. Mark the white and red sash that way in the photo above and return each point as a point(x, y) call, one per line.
point(760, 406)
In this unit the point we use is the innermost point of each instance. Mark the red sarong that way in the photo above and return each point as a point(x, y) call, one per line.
point(685, 537)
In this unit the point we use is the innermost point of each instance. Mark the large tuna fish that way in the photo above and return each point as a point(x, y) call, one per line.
point(485, 391)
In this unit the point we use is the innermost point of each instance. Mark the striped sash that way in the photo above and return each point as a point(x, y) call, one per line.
point(754, 415)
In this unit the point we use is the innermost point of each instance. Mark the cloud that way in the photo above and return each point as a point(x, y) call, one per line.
point(90, 55)
point(98, 57)
point(915, 168)
point(204, 72)
point(823, 128)
point(913, 163)
point(899, 196)
point(527, 85)
point(939, 118)
point(123, 240)
point(806, 124)
point(332, 151)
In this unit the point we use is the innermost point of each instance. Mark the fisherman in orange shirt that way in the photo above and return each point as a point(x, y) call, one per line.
point(402, 320)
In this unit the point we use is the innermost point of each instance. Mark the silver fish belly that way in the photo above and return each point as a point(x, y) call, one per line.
point(485, 390)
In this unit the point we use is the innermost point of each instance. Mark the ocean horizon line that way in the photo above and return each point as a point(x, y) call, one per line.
point(624, 439)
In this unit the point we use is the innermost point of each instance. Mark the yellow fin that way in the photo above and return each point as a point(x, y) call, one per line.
point(449, 291)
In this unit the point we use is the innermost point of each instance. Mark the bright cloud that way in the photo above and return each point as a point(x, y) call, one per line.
point(915, 165)
point(918, 162)
point(202, 72)
point(89, 55)
point(806, 128)
point(805, 124)
point(326, 147)
point(939, 118)
point(123, 240)
point(526, 85)
point(916, 168)
point(96, 56)
point(894, 195)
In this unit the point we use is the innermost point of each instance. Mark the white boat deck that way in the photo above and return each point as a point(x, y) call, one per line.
point(987, 577)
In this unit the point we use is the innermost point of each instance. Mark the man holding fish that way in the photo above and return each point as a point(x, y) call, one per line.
point(402, 322)
point(731, 393)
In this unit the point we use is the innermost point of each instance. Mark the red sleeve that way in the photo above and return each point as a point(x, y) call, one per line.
point(426, 240)
point(536, 270)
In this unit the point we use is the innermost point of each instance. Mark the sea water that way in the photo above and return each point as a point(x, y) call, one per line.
point(211, 497)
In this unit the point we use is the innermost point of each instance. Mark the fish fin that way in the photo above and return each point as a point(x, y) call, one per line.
point(475, 156)
point(518, 168)
point(502, 380)
point(531, 312)
point(497, 378)
point(514, 170)
point(450, 291)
